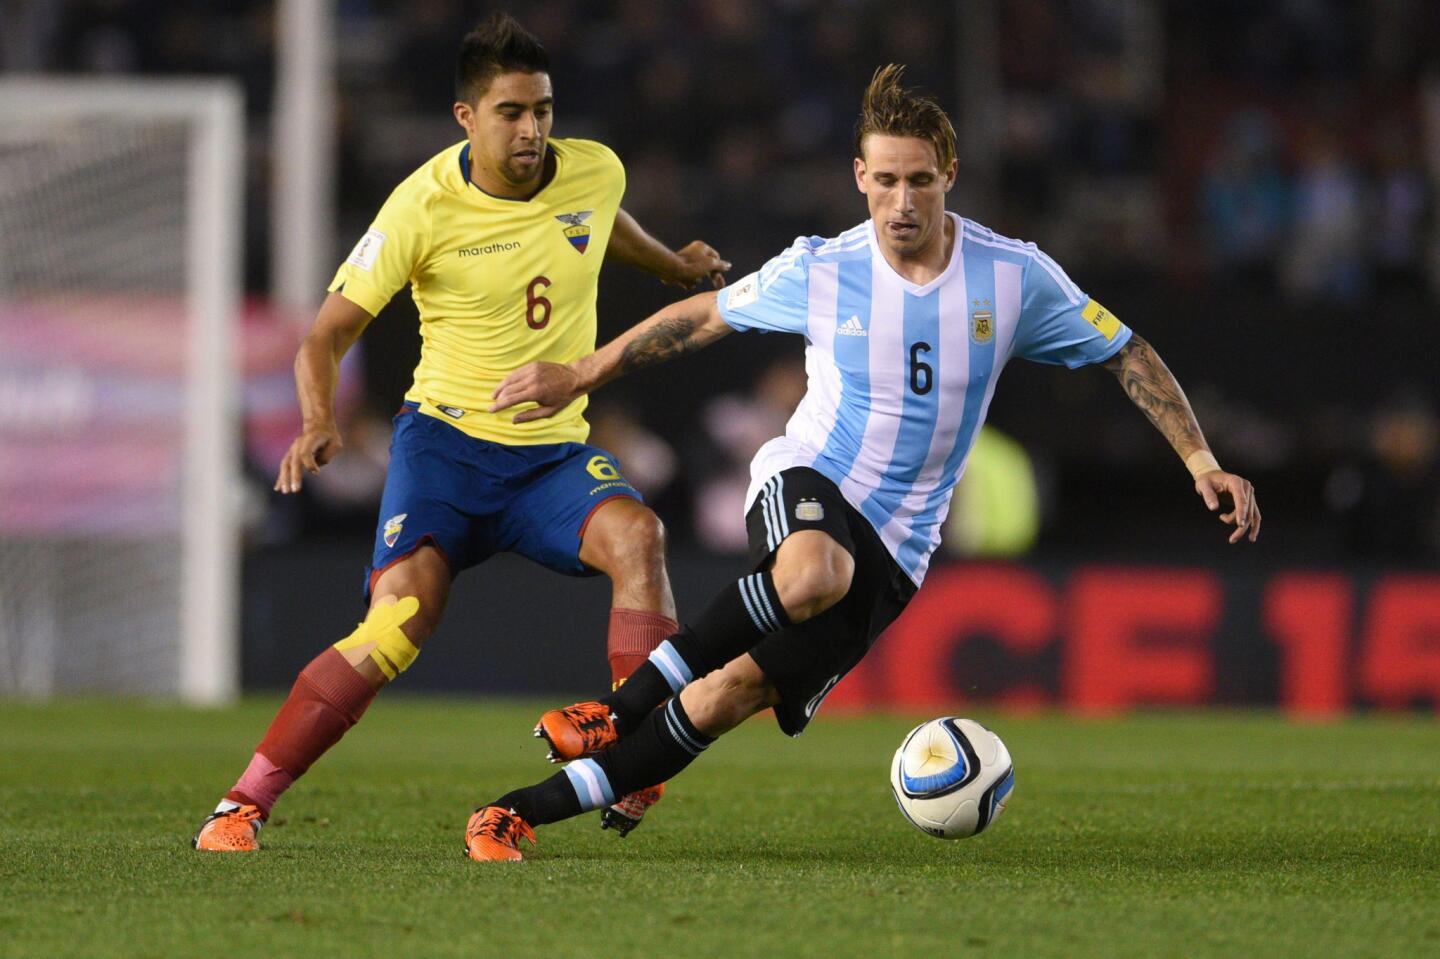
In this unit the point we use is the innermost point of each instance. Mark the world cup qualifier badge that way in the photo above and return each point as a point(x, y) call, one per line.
point(575, 229)
point(393, 526)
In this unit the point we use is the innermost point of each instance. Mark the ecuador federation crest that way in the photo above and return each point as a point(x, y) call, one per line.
point(393, 526)
point(575, 229)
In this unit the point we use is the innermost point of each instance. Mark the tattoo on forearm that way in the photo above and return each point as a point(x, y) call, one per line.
point(664, 341)
point(1152, 387)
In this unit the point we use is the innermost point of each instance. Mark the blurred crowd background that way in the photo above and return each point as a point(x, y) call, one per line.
point(1252, 186)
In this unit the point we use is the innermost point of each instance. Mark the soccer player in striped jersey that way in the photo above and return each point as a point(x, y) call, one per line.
point(501, 238)
point(908, 320)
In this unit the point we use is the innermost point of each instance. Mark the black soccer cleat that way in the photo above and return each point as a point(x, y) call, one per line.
point(626, 814)
point(613, 818)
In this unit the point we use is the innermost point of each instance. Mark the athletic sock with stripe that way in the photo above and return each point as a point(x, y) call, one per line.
point(659, 748)
point(732, 624)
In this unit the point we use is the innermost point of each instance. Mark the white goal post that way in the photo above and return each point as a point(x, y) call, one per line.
point(121, 206)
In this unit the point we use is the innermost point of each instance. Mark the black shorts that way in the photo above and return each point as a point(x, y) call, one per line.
point(806, 661)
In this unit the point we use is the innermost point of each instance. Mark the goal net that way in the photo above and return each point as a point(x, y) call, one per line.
point(120, 211)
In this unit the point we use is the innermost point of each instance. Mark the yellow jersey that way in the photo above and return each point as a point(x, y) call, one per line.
point(498, 282)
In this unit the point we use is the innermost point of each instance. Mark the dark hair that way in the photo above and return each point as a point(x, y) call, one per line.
point(499, 45)
point(890, 109)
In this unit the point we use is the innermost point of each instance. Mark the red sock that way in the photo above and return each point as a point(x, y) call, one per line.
point(634, 634)
point(328, 697)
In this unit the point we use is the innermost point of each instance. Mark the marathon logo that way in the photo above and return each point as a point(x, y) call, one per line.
point(491, 248)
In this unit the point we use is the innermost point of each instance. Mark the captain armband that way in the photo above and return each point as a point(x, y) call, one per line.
point(393, 652)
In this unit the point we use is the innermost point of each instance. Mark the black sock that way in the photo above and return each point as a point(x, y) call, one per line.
point(662, 746)
point(637, 697)
point(730, 625)
point(548, 801)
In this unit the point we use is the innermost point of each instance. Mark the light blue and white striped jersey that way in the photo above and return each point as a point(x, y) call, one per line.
point(901, 375)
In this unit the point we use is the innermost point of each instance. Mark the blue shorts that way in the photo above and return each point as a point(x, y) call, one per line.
point(471, 498)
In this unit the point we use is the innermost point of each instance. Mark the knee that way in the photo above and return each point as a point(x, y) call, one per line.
point(809, 588)
point(419, 627)
point(646, 537)
point(424, 576)
point(636, 547)
point(426, 619)
point(382, 646)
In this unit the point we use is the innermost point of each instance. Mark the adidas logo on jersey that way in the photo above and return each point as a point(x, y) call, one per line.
point(851, 327)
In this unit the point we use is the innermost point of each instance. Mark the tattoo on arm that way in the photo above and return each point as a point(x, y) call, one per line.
point(667, 339)
point(1152, 387)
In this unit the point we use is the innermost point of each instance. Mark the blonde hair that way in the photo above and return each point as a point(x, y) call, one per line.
point(892, 110)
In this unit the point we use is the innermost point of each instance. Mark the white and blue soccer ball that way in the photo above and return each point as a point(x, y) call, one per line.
point(951, 777)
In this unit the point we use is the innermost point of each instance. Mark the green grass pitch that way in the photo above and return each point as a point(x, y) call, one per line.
point(1198, 834)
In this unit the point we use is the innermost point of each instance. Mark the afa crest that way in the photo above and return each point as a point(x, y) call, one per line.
point(982, 323)
point(575, 229)
point(809, 511)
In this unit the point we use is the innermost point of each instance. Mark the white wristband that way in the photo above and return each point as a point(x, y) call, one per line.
point(1201, 461)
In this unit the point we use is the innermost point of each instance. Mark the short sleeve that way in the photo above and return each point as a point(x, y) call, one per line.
point(618, 170)
point(773, 298)
point(386, 256)
point(1059, 323)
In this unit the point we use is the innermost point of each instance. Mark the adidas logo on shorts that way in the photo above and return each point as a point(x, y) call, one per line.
point(851, 327)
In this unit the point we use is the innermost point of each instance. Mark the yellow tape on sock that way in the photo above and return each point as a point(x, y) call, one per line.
point(393, 652)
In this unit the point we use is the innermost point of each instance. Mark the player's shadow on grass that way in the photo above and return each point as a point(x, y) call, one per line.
point(1154, 854)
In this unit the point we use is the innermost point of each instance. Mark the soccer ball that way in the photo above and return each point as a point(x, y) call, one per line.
point(951, 777)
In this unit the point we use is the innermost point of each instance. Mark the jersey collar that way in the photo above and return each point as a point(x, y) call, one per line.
point(465, 176)
point(910, 286)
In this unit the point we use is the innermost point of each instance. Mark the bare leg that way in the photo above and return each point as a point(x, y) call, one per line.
point(626, 541)
point(423, 574)
point(727, 697)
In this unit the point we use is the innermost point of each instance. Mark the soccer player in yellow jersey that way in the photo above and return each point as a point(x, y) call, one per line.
point(501, 238)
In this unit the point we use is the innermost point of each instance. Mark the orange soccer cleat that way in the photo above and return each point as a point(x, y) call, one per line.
point(494, 833)
point(626, 814)
point(236, 830)
point(577, 730)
